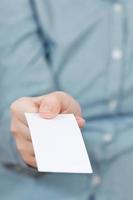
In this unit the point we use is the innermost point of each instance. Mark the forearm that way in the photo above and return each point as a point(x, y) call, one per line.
point(24, 70)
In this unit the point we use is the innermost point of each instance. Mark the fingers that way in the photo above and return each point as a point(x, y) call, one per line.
point(26, 151)
point(22, 105)
point(80, 121)
point(29, 160)
point(20, 129)
point(25, 147)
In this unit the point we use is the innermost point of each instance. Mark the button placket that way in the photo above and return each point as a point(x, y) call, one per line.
point(116, 55)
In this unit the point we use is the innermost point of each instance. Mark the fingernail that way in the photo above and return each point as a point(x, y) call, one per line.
point(47, 109)
point(46, 112)
point(81, 119)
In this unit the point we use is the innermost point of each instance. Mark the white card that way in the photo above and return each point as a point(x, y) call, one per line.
point(58, 144)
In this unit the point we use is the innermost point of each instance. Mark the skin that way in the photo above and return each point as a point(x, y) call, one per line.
point(48, 106)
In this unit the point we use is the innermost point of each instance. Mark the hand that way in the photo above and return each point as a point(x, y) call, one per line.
point(48, 106)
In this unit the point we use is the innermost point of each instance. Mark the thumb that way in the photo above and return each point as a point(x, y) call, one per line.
point(50, 106)
point(58, 102)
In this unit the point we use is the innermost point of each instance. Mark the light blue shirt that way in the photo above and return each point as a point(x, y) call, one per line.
point(84, 48)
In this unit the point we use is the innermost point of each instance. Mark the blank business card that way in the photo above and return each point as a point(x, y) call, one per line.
point(58, 144)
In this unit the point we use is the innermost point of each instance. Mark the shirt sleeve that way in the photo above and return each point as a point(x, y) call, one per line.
point(25, 67)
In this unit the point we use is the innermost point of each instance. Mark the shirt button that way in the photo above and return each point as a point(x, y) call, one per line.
point(117, 54)
point(118, 8)
point(96, 180)
point(107, 137)
point(113, 105)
